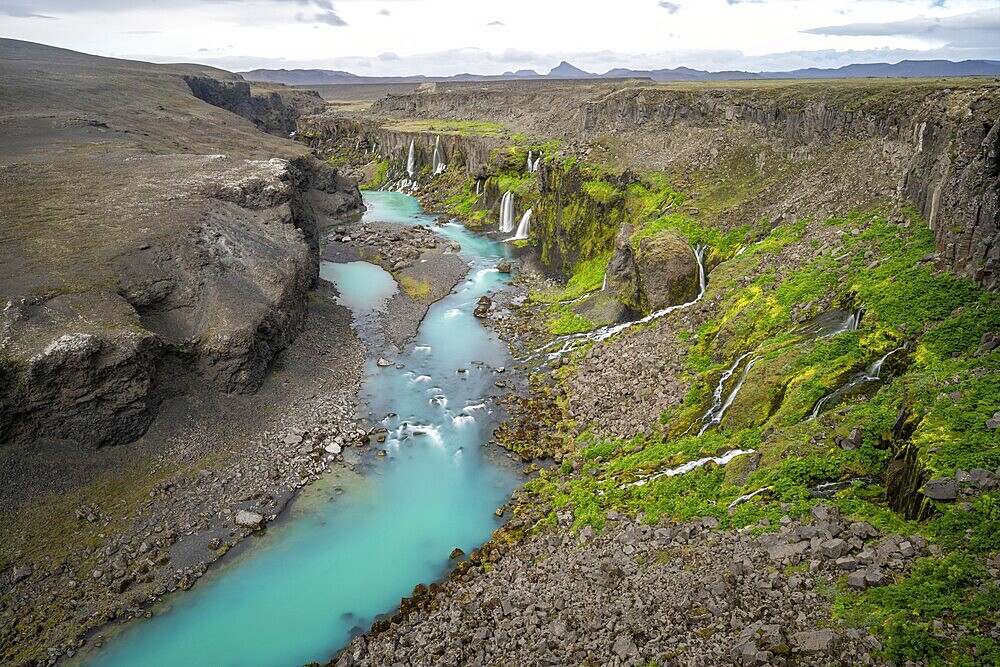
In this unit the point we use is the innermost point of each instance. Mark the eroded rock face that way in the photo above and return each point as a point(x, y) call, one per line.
point(623, 273)
point(178, 256)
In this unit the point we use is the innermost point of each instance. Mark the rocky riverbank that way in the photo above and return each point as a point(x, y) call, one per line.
point(684, 594)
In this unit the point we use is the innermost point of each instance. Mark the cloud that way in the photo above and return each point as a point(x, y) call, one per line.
point(495, 23)
point(384, 12)
point(980, 28)
point(19, 13)
point(671, 7)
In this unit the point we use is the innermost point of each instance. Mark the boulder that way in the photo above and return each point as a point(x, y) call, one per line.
point(247, 519)
point(383, 362)
point(815, 641)
point(504, 266)
point(941, 488)
point(668, 271)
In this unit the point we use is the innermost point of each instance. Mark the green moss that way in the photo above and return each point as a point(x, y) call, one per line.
point(954, 589)
point(379, 175)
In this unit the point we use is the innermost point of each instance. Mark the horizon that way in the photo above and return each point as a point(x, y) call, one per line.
point(397, 38)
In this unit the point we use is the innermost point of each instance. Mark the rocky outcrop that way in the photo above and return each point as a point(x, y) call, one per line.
point(623, 273)
point(273, 111)
point(662, 272)
point(668, 271)
point(171, 259)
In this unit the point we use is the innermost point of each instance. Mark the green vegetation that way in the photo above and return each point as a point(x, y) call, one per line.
point(954, 589)
point(376, 176)
point(440, 126)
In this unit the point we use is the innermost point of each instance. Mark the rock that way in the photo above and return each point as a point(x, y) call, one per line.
point(504, 266)
point(786, 551)
point(834, 548)
point(624, 647)
point(874, 577)
point(383, 362)
point(20, 573)
point(993, 423)
point(455, 246)
point(248, 519)
point(334, 448)
point(989, 342)
point(292, 439)
point(941, 488)
point(857, 580)
point(816, 641)
point(456, 553)
point(668, 271)
point(906, 550)
point(214, 543)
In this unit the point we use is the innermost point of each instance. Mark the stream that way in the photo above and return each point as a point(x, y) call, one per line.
point(350, 546)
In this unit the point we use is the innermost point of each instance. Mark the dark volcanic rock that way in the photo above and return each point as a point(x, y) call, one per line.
point(668, 271)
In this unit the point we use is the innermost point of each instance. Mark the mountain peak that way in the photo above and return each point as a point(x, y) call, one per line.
point(566, 71)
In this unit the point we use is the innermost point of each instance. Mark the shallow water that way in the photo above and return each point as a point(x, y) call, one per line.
point(338, 561)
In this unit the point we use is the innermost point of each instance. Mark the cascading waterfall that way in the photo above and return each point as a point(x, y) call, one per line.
point(686, 468)
point(604, 283)
point(524, 227)
point(747, 496)
point(530, 163)
point(718, 410)
point(507, 212)
point(438, 165)
point(871, 374)
point(538, 161)
point(564, 344)
point(479, 187)
point(411, 160)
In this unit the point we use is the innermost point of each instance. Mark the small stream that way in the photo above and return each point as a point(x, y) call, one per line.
point(351, 546)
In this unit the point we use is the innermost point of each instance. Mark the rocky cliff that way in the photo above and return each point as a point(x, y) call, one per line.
point(166, 244)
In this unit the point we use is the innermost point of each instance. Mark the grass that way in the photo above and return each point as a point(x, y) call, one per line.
point(460, 127)
point(414, 288)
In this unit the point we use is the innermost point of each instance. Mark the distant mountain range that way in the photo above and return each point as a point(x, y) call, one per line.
point(564, 70)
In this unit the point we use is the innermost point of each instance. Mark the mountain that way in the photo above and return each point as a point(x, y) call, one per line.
point(565, 70)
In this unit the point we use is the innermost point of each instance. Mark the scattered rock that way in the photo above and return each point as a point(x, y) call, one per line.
point(248, 519)
point(384, 363)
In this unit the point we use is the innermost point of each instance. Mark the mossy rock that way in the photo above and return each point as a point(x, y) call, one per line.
point(668, 271)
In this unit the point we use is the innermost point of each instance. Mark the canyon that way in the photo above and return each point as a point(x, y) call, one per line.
point(749, 404)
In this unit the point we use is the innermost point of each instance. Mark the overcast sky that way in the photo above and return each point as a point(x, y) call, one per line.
point(441, 37)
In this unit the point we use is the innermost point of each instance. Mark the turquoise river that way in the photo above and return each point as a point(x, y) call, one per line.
point(338, 561)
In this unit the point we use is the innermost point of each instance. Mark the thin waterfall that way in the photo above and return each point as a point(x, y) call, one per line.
point(438, 165)
point(718, 410)
point(538, 160)
point(411, 160)
point(524, 227)
point(722, 460)
point(564, 344)
point(871, 374)
point(507, 212)
point(604, 283)
point(479, 186)
point(530, 162)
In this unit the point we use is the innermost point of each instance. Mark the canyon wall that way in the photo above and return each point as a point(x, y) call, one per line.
point(941, 144)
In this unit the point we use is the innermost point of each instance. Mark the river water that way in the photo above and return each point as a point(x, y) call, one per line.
point(340, 559)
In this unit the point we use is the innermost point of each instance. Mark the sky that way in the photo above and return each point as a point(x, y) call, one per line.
point(444, 37)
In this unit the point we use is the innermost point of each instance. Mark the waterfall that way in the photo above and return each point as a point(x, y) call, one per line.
point(530, 163)
point(715, 413)
point(479, 187)
point(604, 283)
point(524, 227)
point(871, 374)
point(411, 160)
point(438, 165)
point(742, 499)
point(507, 212)
point(571, 341)
point(534, 167)
point(687, 467)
